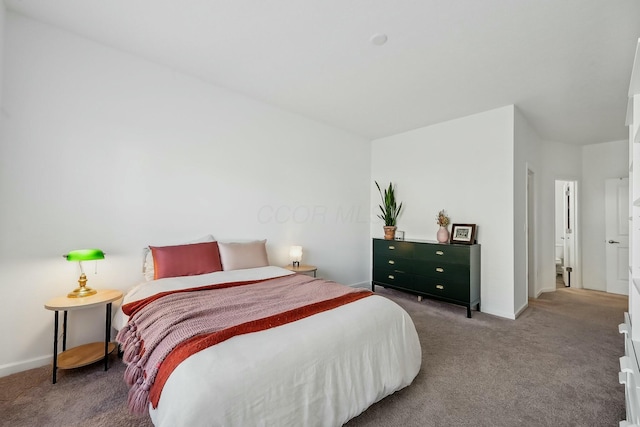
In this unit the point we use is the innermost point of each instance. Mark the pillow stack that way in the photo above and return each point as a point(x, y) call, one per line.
point(202, 256)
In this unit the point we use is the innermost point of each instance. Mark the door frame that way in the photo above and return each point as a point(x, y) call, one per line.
point(530, 241)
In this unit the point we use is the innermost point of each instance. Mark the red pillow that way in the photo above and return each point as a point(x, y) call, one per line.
point(185, 260)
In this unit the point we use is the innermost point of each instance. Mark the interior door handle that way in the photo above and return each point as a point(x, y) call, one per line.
point(613, 241)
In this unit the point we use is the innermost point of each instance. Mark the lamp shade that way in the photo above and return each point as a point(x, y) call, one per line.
point(295, 253)
point(84, 255)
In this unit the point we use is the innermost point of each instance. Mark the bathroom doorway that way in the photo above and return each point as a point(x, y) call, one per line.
point(566, 234)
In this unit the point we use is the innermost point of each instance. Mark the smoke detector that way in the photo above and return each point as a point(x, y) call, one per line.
point(378, 39)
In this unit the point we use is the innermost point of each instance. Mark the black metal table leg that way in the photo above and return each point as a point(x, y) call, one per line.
point(55, 346)
point(107, 336)
point(64, 332)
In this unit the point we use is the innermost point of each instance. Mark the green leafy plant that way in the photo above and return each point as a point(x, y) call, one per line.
point(442, 219)
point(389, 208)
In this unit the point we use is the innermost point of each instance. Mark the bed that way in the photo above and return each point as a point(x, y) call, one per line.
point(320, 369)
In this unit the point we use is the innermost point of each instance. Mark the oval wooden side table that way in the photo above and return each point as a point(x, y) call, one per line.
point(88, 353)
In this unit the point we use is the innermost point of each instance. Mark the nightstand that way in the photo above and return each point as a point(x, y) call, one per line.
point(303, 269)
point(87, 353)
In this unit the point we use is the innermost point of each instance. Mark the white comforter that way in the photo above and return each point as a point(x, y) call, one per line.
point(319, 371)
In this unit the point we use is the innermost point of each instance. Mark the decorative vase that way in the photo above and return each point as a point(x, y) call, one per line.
point(443, 235)
point(389, 232)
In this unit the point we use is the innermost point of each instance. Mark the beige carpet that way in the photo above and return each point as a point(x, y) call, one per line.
point(557, 365)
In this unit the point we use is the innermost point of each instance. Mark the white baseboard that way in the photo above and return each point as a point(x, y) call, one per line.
point(12, 368)
point(491, 311)
point(543, 290)
point(366, 285)
point(620, 290)
point(523, 308)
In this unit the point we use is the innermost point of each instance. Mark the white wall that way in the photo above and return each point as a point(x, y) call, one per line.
point(559, 212)
point(103, 149)
point(599, 162)
point(526, 158)
point(465, 166)
point(2, 25)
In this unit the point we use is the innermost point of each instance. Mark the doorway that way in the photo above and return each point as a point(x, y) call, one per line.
point(566, 235)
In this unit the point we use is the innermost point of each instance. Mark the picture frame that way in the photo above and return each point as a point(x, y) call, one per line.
point(463, 234)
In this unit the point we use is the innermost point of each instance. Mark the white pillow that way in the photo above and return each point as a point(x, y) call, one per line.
point(148, 269)
point(237, 256)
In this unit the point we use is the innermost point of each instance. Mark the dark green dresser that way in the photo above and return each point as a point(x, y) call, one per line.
point(434, 270)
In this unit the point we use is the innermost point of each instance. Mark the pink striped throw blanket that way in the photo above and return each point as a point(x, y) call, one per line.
point(164, 331)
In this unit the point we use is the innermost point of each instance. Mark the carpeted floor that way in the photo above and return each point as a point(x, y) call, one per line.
point(556, 365)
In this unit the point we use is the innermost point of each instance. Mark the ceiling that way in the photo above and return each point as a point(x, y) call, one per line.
point(565, 64)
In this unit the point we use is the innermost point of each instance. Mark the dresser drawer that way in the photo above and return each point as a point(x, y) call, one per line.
point(392, 278)
point(443, 288)
point(392, 248)
point(442, 271)
point(442, 253)
point(393, 263)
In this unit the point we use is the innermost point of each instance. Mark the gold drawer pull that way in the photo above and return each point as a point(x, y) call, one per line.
point(439, 287)
point(440, 270)
point(392, 248)
point(391, 262)
point(391, 277)
point(439, 253)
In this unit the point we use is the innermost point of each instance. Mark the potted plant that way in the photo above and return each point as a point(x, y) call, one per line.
point(390, 211)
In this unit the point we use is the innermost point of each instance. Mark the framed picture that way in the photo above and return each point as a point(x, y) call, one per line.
point(399, 235)
point(463, 233)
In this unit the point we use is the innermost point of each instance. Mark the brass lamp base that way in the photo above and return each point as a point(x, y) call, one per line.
point(82, 290)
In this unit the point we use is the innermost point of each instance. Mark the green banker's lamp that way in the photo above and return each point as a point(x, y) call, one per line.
point(79, 256)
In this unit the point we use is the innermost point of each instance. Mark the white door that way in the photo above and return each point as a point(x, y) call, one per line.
point(617, 235)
